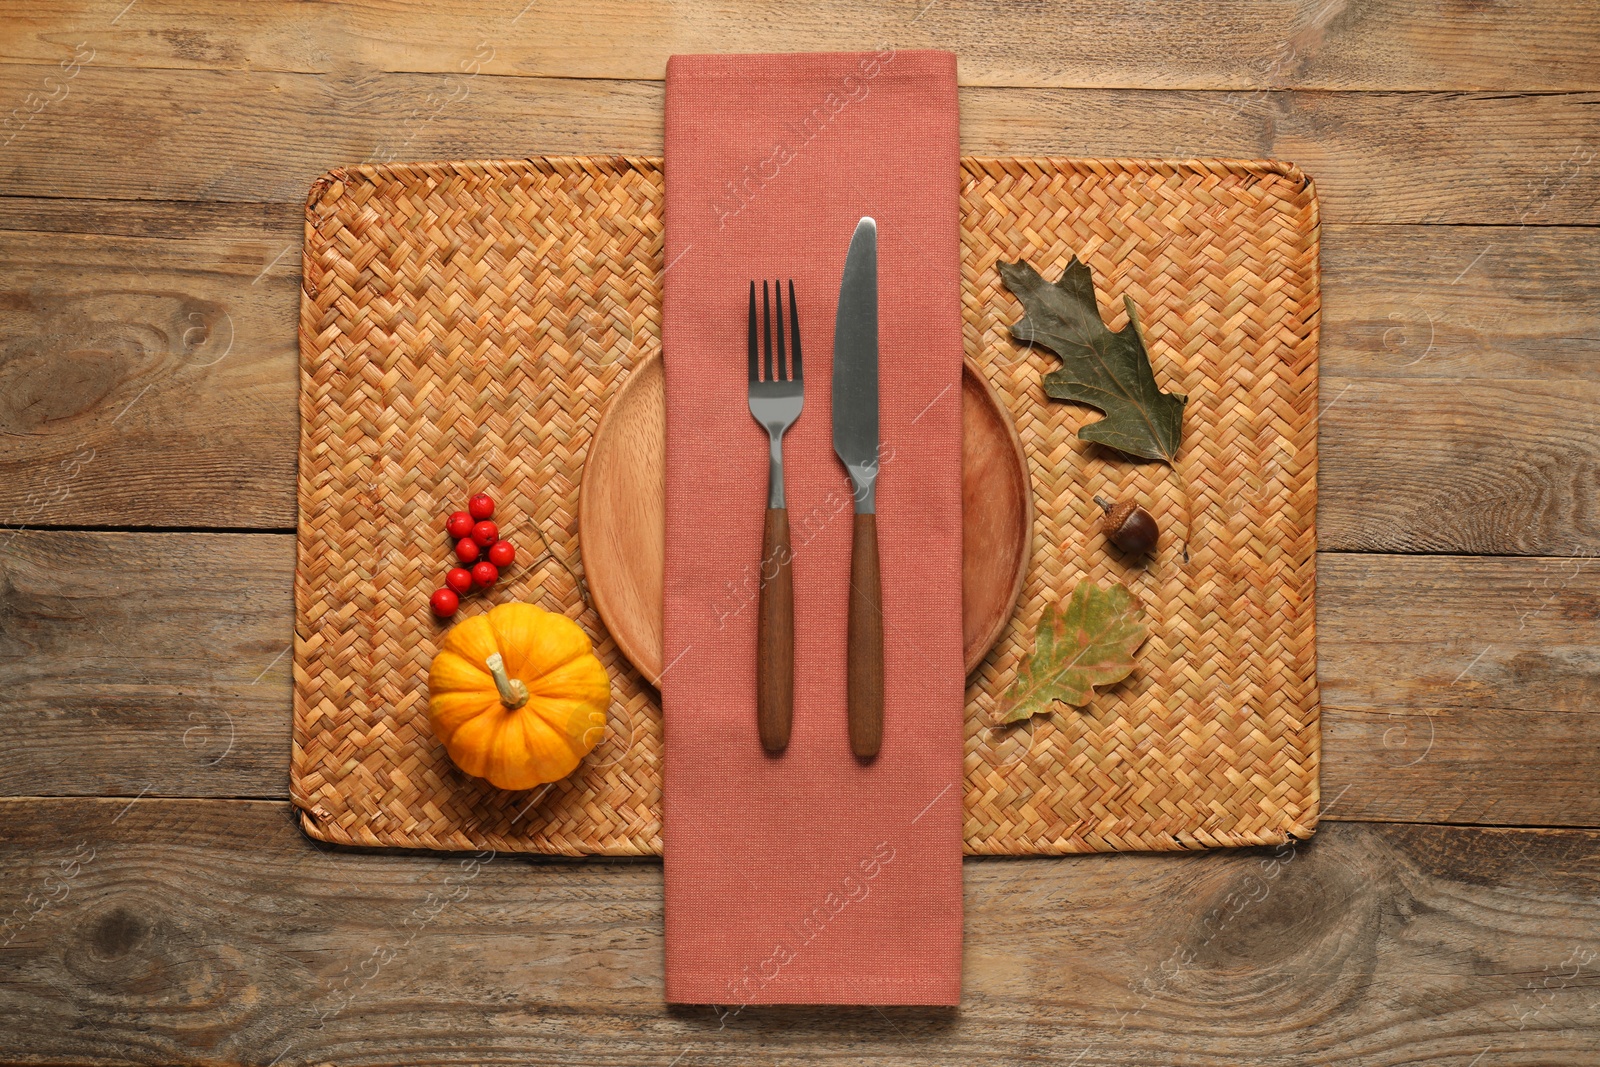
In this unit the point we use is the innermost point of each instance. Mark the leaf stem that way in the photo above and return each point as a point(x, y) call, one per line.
point(1172, 461)
point(1133, 317)
point(1188, 510)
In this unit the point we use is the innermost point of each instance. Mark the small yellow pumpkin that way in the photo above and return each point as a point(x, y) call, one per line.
point(518, 696)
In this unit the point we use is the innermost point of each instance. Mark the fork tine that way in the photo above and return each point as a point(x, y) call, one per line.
point(755, 372)
point(794, 319)
point(783, 366)
point(766, 329)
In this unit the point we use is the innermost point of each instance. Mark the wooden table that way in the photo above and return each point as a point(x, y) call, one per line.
point(159, 903)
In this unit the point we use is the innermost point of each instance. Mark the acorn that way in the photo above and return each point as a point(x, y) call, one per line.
point(1128, 526)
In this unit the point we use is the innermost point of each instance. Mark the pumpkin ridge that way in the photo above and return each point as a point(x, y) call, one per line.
point(576, 677)
point(476, 678)
point(557, 742)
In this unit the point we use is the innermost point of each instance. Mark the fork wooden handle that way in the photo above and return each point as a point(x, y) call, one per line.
point(775, 636)
point(864, 670)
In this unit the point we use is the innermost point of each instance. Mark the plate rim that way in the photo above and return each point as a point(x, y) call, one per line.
point(655, 361)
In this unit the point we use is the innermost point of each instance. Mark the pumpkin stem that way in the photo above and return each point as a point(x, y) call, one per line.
point(513, 693)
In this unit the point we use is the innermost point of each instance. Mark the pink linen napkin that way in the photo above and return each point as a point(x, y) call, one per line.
point(811, 877)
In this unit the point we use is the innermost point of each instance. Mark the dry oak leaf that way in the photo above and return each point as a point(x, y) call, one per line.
point(1109, 371)
point(1088, 643)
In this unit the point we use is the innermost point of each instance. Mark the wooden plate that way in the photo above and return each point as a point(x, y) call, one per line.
point(622, 516)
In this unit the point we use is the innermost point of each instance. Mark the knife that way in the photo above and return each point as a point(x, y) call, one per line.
point(855, 439)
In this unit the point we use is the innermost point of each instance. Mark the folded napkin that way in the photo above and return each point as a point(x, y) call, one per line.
point(811, 877)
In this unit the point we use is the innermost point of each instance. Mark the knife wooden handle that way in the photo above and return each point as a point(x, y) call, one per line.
point(864, 673)
point(775, 636)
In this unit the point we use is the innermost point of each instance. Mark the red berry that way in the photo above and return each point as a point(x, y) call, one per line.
point(459, 524)
point(481, 506)
point(485, 573)
point(466, 550)
point(501, 554)
point(485, 533)
point(444, 603)
point(459, 579)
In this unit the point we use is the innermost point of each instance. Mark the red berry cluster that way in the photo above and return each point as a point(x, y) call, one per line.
point(475, 536)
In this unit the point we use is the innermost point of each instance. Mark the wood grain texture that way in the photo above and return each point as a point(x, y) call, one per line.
point(1459, 465)
point(1453, 686)
point(864, 640)
point(622, 516)
point(112, 133)
point(212, 932)
point(775, 635)
point(996, 516)
point(1421, 323)
point(1241, 44)
point(1375, 157)
point(272, 224)
point(147, 663)
point(149, 377)
point(1461, 302)
point(127, 659)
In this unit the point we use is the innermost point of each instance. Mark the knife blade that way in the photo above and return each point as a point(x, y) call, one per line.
point(855, 440)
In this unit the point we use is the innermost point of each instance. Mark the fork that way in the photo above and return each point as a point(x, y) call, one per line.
point(777, 393)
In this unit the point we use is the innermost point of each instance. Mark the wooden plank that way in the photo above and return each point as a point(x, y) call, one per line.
point(155, 663)
point(276, 224)
point(1375, 157)
point(264, 137)
point(1398, 301)
point(1424, 326)
point(1461, 302)
point(111, 133)
point(1459, 465)
point(1454, 689)
point(1459, 380)
point(1460, 689)
point(205, 932)
point(1238, 44)
point(150, 381)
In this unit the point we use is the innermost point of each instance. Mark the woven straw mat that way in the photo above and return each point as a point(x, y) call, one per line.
point(463, 325)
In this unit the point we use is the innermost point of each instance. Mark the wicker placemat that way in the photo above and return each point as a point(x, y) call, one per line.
point(464, 323)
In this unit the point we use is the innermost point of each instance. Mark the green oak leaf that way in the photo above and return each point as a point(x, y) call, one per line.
point(1108, 371)
point(1090, 643)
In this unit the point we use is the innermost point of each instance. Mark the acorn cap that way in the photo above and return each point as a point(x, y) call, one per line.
point(1116, 515)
